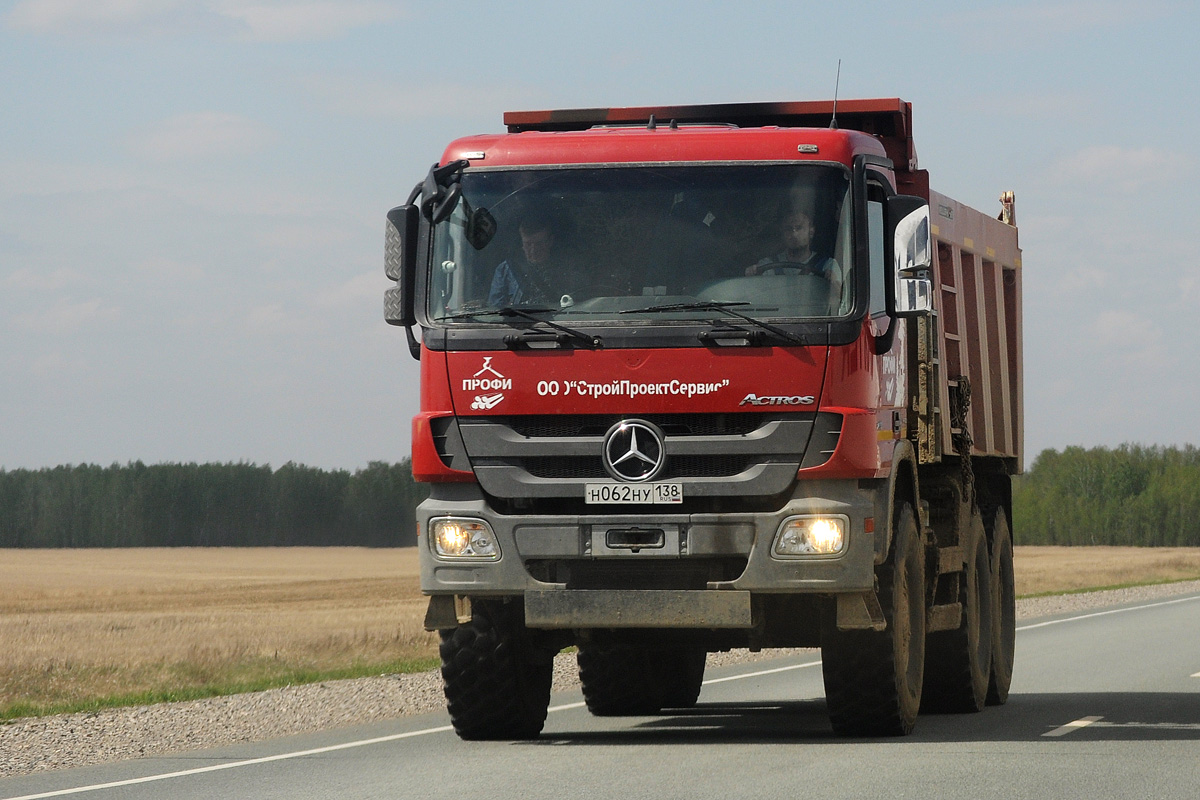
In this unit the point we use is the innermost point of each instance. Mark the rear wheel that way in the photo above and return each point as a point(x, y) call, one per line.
point(958, 663)
point(1004, 625)
point(873, 679)
point(496, 678)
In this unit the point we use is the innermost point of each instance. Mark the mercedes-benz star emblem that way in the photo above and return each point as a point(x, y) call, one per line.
point(633, 450)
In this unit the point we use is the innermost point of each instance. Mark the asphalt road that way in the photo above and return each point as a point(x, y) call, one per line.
point(1104, 704)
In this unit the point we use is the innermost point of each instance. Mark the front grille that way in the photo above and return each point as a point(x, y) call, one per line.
point(714, 466)
point(544, 457)
point(566, 425)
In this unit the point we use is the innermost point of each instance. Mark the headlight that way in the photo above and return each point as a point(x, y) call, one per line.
point(810, 536)
point(463, 538)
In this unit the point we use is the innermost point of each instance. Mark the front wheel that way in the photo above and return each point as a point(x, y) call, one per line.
point(681, 672)
point(873, 679)
point(496, 679)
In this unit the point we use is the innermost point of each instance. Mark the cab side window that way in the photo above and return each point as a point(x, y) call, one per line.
point(875, 199)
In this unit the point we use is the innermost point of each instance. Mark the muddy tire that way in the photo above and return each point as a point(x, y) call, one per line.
point(873, 679)
point(619, 680)
point(681, 673)
point(1004, 620)
point(958, 663)
point(497, 682)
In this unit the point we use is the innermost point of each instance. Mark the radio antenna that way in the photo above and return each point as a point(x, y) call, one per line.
point(836, 82)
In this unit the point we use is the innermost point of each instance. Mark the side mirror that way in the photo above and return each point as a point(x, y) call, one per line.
point(912, 255)
point(400, 264)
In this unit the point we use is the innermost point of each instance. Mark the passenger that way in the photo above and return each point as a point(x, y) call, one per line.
point(525, 280)
point(798, 257)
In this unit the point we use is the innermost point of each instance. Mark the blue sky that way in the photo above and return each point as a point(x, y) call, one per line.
point(192, 193)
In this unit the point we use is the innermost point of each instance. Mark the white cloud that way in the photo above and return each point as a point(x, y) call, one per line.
point(1130, 338)
point(273, 320)
point(304, 236)
point(381, 99)
point(1016, 24)
point(258, 21)
point(111, 17)
point(43, 179)
point(203, 135)
point(358, 292)
point(34, 280)
point(168, 269)
point(1037, 102)
point(57, 15)
point(1119, 169)
point(55, 365)
point(304, 21)
point(1189, 290)
point(66, 316)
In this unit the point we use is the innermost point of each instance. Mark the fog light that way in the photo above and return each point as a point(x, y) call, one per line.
point(810, 536)
point(463, 538)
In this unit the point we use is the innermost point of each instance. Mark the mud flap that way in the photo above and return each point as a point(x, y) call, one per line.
point(447, 611)
point(860, 612)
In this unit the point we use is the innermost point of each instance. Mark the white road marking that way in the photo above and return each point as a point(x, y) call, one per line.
point(566, 707)
point(344, 746)
point(1106, 613)
point(233, 764)
point(1073, 726)
point(762, 672)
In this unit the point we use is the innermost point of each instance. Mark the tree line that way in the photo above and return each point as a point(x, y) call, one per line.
point(1130, 495)
point(208, 505)
point(1145, 496)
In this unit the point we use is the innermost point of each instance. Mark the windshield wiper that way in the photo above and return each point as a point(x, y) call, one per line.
point(499, 312)
point(724, 308)
point(530, 314)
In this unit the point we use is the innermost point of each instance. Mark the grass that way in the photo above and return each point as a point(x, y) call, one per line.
point(85, 629)
point(90, 629)
point(1061, 570)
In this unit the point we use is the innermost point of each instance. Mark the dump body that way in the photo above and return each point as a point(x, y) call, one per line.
point(700, 377)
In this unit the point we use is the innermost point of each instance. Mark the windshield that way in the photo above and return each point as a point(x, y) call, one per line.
point(620, 243)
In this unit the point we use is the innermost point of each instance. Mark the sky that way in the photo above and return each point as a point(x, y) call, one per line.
point(192, 193)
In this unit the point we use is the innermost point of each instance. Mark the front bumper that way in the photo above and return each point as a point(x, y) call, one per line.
point(583, 539)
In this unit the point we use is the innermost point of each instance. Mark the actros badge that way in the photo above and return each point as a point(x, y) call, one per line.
point(778, 400)
point(633, 450)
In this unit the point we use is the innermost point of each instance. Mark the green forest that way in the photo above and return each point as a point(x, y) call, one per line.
point(1130, 495)
point(208, 505)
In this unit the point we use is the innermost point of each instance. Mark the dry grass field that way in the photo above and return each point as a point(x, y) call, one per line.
point(1055, 570)
point(82, 627)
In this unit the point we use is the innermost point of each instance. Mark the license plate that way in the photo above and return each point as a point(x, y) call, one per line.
point(645, 493)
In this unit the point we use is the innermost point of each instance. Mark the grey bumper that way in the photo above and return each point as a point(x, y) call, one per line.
point(687, 536)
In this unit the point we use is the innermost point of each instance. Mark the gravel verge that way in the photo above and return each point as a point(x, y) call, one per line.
point(74, 740)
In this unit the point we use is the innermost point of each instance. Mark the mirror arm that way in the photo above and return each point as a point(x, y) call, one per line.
point(414, 347)
point(884, 341)
point(415, 193)
point(441, 190)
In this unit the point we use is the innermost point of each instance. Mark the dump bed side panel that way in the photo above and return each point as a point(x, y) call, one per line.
point(977, 280)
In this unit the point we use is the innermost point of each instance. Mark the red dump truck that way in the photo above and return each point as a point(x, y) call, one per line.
point(696, 378)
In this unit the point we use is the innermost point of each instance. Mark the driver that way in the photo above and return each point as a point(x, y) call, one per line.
point(798, 257)
point(525, 279)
